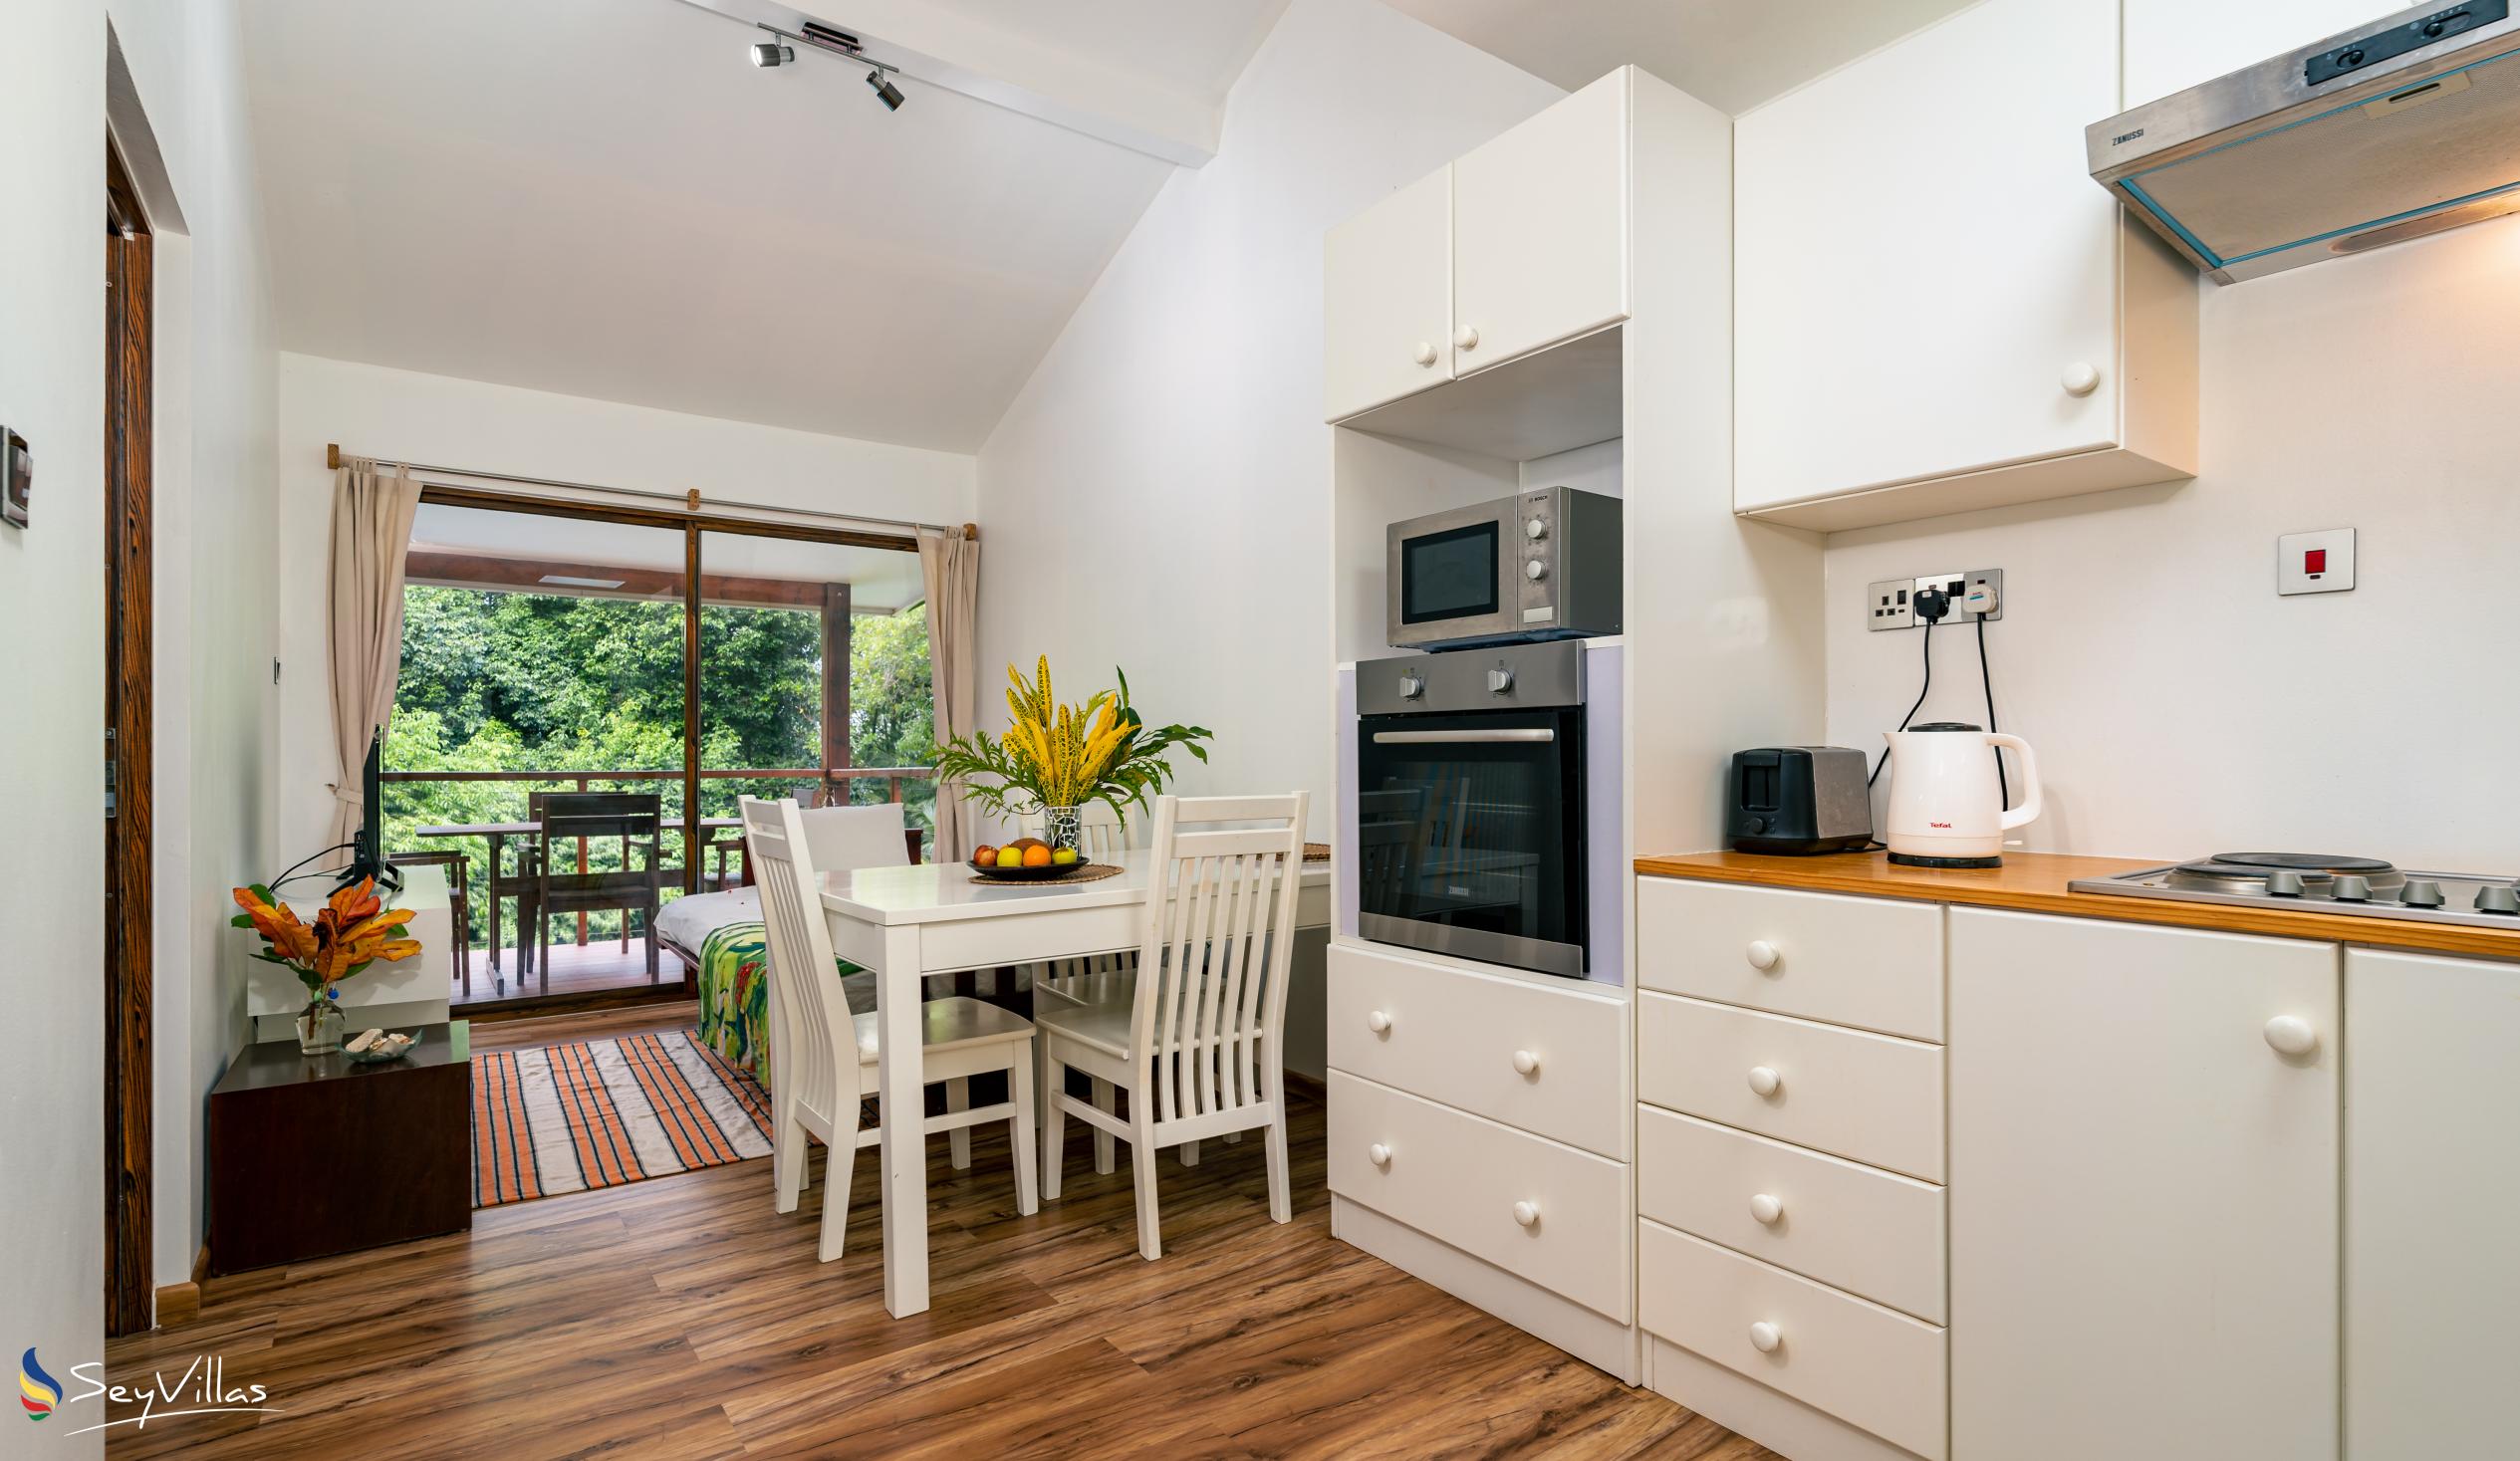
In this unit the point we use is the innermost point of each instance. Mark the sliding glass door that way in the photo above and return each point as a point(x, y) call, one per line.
point(550, 649)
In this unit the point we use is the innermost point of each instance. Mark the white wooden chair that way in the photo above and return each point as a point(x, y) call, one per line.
point(1200, 1050)
point(824, 1061)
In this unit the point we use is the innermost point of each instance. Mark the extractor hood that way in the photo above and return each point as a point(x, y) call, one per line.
point(2389, 131)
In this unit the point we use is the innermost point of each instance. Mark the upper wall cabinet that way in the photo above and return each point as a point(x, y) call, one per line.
point(1515, 247)
point(1936, 307)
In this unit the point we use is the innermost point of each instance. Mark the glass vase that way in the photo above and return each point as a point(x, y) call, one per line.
point(320, 1027)
point(1064, 827)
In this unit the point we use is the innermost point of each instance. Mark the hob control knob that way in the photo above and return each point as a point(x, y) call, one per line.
point(1412, 686)
point(1499, 682)
point(2498, 900)
point(2421, 892)
point(1536, 529)
point(2353, 887)
point(2283, 884)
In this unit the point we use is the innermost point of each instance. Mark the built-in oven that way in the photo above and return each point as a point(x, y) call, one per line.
point(1470, 805)
point(1542, 565)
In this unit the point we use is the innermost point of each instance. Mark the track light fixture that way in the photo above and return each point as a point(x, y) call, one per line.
point(772, 53)
point(884, 90)
point(777, 52)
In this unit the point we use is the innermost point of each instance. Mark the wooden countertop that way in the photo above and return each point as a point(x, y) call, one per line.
point(2034, 882)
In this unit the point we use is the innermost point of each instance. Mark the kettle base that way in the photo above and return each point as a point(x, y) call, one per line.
point(1911, 860)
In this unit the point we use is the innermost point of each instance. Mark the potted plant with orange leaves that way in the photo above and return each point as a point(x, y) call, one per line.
point(352, 930)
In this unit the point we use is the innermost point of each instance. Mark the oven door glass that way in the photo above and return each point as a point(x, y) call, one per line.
point(1469, 832)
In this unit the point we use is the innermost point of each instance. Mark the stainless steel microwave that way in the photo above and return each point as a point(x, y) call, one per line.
point(1541, 565)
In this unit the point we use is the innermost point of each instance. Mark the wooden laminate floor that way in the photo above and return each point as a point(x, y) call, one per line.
point(682, 1317)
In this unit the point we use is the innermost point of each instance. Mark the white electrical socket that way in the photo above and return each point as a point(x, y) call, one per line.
point(1891, 604)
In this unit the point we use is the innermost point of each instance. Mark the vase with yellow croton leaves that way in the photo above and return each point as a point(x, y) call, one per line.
point(352, 930)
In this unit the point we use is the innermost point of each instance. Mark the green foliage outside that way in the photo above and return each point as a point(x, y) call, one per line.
point(500, 681)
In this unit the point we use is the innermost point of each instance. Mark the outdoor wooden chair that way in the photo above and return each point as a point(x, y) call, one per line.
point(636, 821)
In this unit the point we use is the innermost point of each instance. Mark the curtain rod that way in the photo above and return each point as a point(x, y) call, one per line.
point(690, 501)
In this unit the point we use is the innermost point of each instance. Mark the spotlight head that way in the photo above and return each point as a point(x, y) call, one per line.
point(773, 53)
point(890, 94)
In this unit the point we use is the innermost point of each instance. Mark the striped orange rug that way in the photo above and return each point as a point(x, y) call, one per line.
point(601, 1112)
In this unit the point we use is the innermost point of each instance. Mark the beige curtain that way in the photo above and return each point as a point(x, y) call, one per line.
point(950, 563)
point(372, 532)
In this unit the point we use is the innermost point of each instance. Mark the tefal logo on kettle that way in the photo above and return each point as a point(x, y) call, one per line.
point(1945, 825)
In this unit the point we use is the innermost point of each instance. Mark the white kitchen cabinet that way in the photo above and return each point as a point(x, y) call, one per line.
point(1387, 299)
point(2432, 1178)
point(1540, 229)
point(1517, 246)
point(2172, 45)
point(1936, 309)
point(2144, 1204)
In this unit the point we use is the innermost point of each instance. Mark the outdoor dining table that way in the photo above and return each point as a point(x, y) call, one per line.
point(906, 923)
point(496, 834)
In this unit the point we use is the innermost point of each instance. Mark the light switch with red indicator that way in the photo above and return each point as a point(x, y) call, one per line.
point(2315, 563)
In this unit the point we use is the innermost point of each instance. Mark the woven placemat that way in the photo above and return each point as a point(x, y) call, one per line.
point(1317, 851)
point(1090, 872)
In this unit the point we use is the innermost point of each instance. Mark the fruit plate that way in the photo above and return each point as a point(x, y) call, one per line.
point(1026, 874)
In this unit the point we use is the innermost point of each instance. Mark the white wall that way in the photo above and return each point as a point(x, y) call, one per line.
point(1157, 497)
point(51, 659)
point(2177, 705)
point(374, 412)
point(214, 493)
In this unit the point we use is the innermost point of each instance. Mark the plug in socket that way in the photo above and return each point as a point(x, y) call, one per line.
point(1891, 604)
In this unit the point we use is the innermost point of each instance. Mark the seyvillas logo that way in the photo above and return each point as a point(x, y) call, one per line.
point(37, 1392)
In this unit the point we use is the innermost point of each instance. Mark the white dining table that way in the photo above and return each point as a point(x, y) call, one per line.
point(906, 924)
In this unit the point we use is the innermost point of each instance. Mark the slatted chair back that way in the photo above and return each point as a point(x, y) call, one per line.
point(813, 1040)
point(1208, 1030)
point(1101, 836)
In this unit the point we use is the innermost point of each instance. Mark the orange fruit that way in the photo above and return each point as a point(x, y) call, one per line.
point(1036, 855)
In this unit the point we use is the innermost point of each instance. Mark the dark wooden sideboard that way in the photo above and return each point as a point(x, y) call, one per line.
point(315, 1154)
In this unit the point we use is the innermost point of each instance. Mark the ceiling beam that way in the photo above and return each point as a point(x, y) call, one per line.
point(1084, 92)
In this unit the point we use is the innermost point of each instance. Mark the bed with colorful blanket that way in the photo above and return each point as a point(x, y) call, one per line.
point(720, 937)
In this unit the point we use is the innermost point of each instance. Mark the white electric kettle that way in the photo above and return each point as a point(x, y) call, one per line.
point(1945, 807)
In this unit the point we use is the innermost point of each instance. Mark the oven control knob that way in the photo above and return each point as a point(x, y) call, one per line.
point(1499, 682)
point(2498, 900)
point(1536, 570)
point(1412, 686)
point(2352, 887)
point(2421, 892)
point(1536, 529)
point(2281, 885)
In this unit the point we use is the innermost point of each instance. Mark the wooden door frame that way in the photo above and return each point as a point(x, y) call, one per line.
point(130, 1294)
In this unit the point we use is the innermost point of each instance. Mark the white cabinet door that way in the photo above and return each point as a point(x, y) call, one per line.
point(2144, 1193)
point(1921, 258)
point(1540, 229)
point(1387, 299)
point(2431, 1181)
point(2172, 45)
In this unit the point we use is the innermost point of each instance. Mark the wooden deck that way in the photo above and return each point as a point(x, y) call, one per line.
point(602, 965)
point(682, 1317)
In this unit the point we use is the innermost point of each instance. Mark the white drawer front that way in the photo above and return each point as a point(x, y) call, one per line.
point(1869, 1232)
point(1874, 963)
point(1866, 1364)
point(1471, 1182)
point(1463, 1038)
point(1873, 1098)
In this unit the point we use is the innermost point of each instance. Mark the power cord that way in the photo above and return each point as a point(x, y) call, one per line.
point(1931, 606)
point(2003, 787)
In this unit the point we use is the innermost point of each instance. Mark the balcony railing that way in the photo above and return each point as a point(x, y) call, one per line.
point(832, 777)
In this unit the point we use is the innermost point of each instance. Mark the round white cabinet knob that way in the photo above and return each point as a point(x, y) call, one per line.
point(2079, 378)
point(1378, 1022)
point(1762, 954)
point(1465, 338)
point(1764, 1081)
point(1766, 1209)
point(1525, 1062)
point(1536, 529)
point(1536, 570)
point(1426, 352)
point(2290, 1035)
point(1526, 1213)
point(1765, 1337)
point(1379, 1154)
